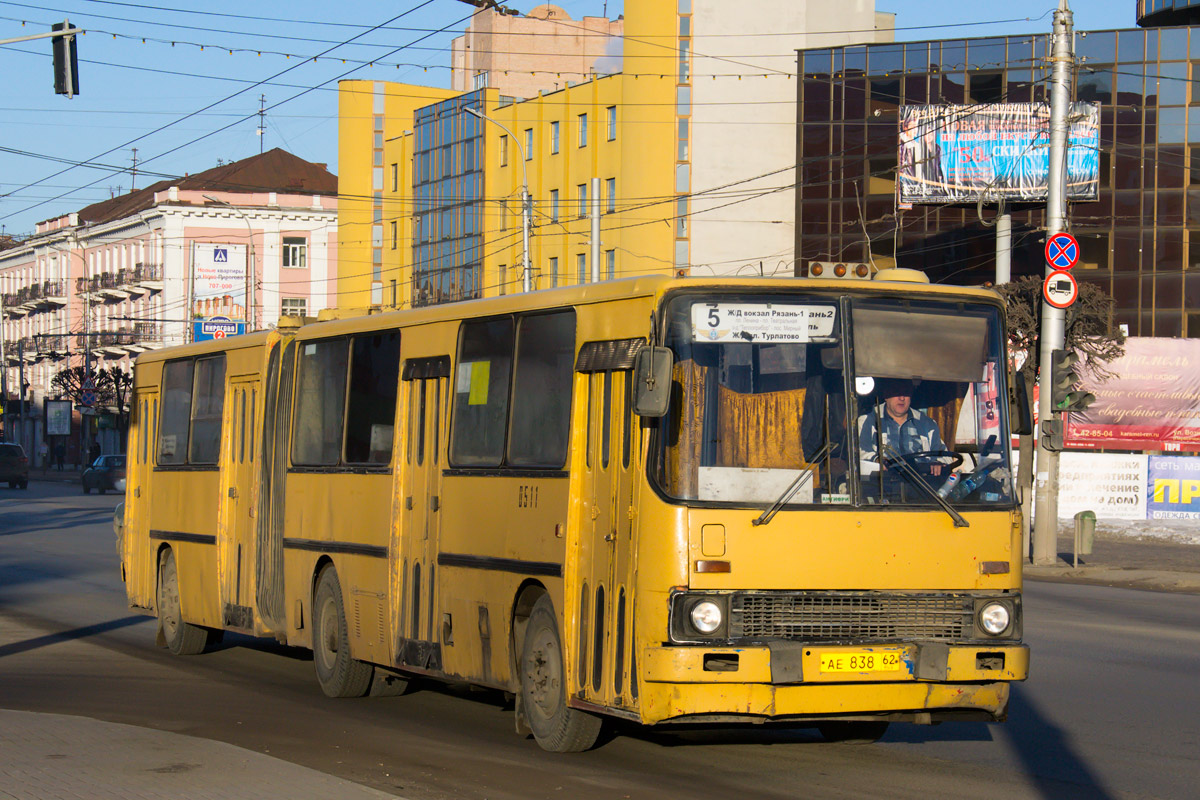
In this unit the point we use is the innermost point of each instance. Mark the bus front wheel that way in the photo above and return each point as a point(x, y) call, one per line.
point(338, 673)
point(183, 638)
point(555, 726)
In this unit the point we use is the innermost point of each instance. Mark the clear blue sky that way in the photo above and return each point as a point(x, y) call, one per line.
point(159, 75)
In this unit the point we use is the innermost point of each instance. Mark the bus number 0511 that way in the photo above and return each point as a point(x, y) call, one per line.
point(527, 496)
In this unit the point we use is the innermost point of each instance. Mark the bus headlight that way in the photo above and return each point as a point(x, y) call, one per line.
point(706, 617)
point(994, 618)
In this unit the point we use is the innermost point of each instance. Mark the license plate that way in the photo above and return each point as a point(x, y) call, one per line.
point(861, 661)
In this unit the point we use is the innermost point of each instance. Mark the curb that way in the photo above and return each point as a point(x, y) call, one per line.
point(1153, 580)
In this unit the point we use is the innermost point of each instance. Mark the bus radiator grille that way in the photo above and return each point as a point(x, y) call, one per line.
point(851, 616)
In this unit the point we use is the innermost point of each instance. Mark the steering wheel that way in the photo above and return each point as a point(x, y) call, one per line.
point(925, 459)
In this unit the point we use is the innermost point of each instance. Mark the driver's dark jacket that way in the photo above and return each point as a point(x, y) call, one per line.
point(918, 433)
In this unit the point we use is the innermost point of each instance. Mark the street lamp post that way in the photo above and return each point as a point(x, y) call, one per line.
point(526, 211)
point(250, 266)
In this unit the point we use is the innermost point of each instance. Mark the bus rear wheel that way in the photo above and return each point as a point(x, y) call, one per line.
point(555, 726)
point(853, 732)
point(338, 673)
point(183, 638)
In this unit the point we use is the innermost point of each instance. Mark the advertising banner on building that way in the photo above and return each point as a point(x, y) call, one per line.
point(1174, 487)
point(1152, 402)
point(1112, 485)
point(218, 290)
point(961, 154)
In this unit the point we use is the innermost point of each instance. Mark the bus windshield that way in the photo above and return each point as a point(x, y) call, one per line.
point(868, 401)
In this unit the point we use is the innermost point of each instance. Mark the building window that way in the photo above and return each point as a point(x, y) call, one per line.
point(554, 205)
point(610, 264)
point(293, 307)
point(583, 199)
point(612, 123)
point(581, 266)
point(583, 130)
point(610, 186)
point(295, 252)
point(504, 151)
point(554, 137)
point(504, 279)
point(395, 231)
point(480, 80)
point(528, 143)
point(553, 273)
point(395, 177)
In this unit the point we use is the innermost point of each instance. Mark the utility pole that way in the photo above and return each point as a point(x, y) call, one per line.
point(133, 172)
point(526, 205)
point(4, 369)
point(1053, 329)
point(595, 230)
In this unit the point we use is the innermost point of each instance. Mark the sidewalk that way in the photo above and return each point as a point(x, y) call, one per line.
point(1128, 561)
point(59, 757)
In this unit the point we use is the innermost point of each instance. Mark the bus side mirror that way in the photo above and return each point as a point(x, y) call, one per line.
point(652, 381)
point(1019, 416)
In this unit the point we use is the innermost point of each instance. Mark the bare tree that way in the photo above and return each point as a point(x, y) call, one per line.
point(1089, 331)
point(113, 388)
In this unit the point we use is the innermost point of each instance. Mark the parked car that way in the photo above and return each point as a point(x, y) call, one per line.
point(106, 472)
point(14, 466)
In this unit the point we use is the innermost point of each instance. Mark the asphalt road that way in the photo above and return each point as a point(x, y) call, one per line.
point(1110, 709)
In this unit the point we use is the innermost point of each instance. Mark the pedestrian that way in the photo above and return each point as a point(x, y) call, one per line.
point(94, 453)
point(60, 455)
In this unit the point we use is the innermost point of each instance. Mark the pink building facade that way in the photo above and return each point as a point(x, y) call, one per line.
point(543, 50)
point(99, 286)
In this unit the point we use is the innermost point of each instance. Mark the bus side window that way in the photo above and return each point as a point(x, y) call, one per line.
point(320, 403)
point(371, 404)
point(542, 378)
point(172, 445)
point(208, 401)
point(481, 393)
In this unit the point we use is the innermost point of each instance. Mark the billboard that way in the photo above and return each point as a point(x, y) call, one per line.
point(1152, 402)
point(1173, 488)
point(58, 417)
point(218, 290)
point(962, 154)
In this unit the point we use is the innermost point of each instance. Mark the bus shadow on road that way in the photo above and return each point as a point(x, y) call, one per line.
point(1052, 764)
point(58, 637)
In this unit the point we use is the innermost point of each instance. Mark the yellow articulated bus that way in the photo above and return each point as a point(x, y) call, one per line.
point(725, 500)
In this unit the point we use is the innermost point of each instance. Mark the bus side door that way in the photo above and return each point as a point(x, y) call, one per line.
point(605, 611)
point(235, 532)
point(138, 552)
point(418, 638)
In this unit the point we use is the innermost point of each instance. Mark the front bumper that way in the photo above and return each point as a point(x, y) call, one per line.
point(784, 681)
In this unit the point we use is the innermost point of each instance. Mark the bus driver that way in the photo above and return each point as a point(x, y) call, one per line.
point(904, 430)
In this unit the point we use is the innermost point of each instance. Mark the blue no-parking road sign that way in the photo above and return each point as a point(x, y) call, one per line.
point(1062, 251)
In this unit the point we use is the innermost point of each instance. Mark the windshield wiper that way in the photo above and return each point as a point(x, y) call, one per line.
point(791, 490)
point(909, 472)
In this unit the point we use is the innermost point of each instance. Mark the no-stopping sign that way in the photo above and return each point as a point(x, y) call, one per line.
point(1062, 251)
point(1060, 289)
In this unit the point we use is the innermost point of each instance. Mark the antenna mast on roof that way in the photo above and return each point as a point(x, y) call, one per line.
point(133, 172)
point(262, 121)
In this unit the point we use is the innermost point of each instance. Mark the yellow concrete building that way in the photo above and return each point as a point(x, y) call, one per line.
point(694, 154)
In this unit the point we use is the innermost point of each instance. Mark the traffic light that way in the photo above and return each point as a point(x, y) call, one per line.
point(66, 62)
point(1063, 380)
point(1052, 434)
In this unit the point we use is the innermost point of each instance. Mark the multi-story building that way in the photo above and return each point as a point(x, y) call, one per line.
point(692, 144)
point(1140, 241)
point(98, 286)
point(520, 55)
